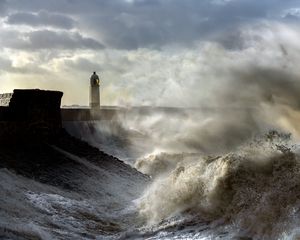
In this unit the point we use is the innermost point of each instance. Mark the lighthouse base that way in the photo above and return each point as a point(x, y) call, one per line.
point(94, 97)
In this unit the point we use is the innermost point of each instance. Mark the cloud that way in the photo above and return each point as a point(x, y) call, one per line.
point(3, 4)
point(152, 24)
point(46, 39)
point(167, 46)
point(137, 24)
point(32, 68)
point(83, 64)
point(42, 18)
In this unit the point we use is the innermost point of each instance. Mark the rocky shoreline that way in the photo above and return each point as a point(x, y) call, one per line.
point(46, 162)
point(55, 186)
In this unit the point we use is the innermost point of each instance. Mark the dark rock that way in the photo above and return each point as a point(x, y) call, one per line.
point(34, 144)
point(30, 114)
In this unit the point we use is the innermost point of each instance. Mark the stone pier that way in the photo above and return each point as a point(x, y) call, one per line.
point(34, 113)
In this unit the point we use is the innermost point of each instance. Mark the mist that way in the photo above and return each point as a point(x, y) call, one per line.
point(225, 97)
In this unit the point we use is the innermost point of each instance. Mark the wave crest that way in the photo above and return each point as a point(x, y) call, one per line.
point(255, 189)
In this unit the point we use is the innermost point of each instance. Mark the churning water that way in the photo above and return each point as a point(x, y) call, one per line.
point(248, 188)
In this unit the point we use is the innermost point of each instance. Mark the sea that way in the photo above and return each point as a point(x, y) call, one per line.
point(209, 175)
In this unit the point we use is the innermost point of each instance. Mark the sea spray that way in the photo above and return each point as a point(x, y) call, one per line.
point(156, 164)
point(254, 190)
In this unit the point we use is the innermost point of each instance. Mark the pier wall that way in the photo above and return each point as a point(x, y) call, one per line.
point(31, 113)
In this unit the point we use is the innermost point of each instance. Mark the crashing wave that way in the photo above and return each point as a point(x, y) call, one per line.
point(255, 190)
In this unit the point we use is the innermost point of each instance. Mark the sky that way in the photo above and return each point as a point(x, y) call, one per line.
point(146, 52)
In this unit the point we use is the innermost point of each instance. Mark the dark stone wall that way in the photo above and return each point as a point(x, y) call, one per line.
point(4, 113)
point(31, 114)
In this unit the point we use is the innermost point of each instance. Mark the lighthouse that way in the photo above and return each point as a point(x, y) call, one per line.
point(94, 91)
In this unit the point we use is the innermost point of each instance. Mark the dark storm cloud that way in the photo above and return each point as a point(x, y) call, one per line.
point(41, 18)
point(152, 23)
point(291, 17)
point(2, 6)
point(157, 23)
point(45, 39)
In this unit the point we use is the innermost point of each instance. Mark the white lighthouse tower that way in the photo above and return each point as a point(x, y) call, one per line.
point(94, 91)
